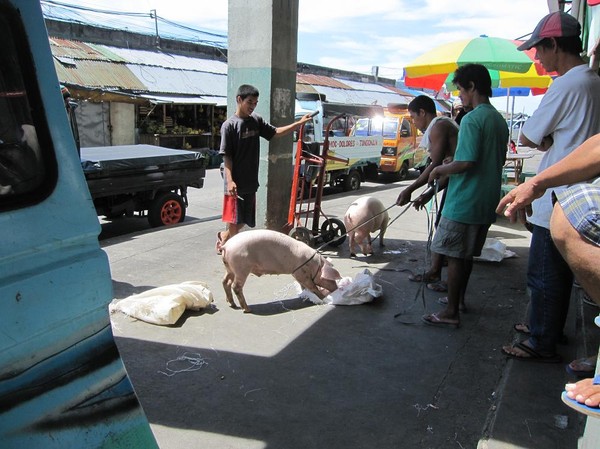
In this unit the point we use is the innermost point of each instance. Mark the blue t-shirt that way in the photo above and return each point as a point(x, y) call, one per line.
point(472, 196)
point(240, 141)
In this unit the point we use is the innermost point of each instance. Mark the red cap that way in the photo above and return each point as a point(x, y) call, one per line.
point(556, 24)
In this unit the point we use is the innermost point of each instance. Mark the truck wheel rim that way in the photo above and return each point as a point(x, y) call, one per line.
point(170, 212)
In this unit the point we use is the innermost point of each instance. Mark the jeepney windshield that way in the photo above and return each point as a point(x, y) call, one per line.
point(390, 128)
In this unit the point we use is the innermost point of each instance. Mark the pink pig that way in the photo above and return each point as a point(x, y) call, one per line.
point(359, 224)
point(269, 252)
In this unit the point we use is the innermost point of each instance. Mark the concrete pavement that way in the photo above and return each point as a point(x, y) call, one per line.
point(296, 375)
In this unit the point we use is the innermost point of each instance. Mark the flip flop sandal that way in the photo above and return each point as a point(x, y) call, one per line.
point(582, 408)
point(588, 364)
point(422, 278)
point(440, 287)
point(434, 320)
point(532, 355)
point(521, 328)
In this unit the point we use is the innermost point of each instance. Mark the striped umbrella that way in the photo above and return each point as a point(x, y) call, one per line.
point(508, 66)
point(500, 79)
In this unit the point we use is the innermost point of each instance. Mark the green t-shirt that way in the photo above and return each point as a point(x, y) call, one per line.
point(472, 196)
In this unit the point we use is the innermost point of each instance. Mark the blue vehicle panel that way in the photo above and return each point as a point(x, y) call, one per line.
point(62, 382)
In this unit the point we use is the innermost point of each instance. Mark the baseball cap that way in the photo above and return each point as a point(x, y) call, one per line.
point(556, 24)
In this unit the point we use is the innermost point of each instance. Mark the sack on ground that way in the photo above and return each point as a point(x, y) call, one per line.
point(350, 291)
point(494, 251)
point(164, 305)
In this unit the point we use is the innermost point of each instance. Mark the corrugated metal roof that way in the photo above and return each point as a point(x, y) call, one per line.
point(81, 50)
point(112, 68)
point(98, 74)
point(176, 81)
point(161, 59)
point(175, 99)
point(356, 96)
point(321, 80)
point(162, 76)
point(339, 90)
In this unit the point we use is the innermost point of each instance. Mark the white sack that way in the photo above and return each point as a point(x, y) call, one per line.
point(164, 305)
point(350, 291)
point(494, 251)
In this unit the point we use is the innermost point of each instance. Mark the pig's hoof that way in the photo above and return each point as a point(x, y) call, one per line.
point(247, 310)
point(352, 254)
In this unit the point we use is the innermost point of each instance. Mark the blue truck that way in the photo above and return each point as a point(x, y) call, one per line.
point(62, 381)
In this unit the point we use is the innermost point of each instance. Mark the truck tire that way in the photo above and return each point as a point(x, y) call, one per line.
point(351, 181)
point(166, 209)
point(403, 172)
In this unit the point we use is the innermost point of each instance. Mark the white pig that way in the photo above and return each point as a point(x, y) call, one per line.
point(359, 224)
point(269, 252)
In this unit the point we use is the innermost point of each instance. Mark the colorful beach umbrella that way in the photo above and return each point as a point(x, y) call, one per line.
point(508, 66)
point(500, 79)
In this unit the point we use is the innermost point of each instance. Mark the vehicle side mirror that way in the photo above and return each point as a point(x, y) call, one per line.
point(295, 136)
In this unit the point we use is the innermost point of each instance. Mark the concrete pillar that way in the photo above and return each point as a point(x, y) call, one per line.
point(262, 51)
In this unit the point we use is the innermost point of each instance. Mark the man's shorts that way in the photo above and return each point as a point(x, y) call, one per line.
point(581, 205)
point(241, 210)
point(459, 240)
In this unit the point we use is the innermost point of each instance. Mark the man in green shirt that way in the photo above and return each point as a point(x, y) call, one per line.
point(475, 177)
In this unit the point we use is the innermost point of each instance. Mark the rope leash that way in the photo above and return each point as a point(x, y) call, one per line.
point(318, 250)
point(430, 230)
point(423, 283)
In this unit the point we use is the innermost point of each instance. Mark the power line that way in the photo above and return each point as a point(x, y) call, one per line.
point(100, 11)
point(135, 15)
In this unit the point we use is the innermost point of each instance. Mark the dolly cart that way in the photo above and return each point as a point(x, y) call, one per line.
point(309, 171)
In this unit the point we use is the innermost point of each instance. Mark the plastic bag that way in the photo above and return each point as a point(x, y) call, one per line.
point(494, 251)
point(164, 305)
point(350, 291)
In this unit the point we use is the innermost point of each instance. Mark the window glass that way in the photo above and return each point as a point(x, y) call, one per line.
point(362, 127)
point(390, 128)
point(23, 170)
point(405, 130)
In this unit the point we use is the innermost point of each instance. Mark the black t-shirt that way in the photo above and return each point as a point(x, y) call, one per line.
point(240, 142)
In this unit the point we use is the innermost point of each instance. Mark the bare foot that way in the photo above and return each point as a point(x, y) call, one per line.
point(584, 392)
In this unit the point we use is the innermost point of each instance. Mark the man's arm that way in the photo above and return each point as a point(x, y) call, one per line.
point(543, 146)
point(230, 185)
point(453, 168)
point(283, 130)
point(581, 165)
point(439, 146)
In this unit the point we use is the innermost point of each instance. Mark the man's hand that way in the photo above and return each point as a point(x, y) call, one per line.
point(232, 188)
point(403, 198)
point(420, 202)
point(434, 175)
point(306, 118)
point(516, 204)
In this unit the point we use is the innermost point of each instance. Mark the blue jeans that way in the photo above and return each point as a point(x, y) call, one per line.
point(550, 280)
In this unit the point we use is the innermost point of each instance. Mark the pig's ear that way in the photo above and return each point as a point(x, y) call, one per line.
point(330, 273)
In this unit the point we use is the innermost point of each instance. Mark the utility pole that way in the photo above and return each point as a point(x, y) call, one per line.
point(375, 72)
point(153, 15)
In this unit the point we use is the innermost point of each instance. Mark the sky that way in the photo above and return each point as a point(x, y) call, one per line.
point(357, 35)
